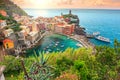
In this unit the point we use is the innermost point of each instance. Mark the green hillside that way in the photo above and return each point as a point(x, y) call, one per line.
point(10, 7)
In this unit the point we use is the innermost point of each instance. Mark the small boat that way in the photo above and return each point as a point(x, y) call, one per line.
point(62, 46)
point(49, 50)
point(58, 49)
point(47, 46)
point(101, 38)
point(78, 44)
point(44, 48)
point(68, 38)
point(96, 33)
point(50, 44)
point(57, 42)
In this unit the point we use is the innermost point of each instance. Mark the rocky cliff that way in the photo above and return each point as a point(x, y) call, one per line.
point(10, 8)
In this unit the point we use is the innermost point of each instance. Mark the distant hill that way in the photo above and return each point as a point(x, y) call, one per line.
point(10, 8)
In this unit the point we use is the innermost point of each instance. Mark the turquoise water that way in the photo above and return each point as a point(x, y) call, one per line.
point(107, 22)
point(55, 43)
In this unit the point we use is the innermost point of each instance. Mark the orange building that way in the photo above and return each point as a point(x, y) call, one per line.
point(3, 12)
point(8, 44)
point(67, 29)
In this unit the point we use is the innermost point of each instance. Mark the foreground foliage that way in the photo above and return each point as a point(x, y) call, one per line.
point(40, 70)
point(79, 64)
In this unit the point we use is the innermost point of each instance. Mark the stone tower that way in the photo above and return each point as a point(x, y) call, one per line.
point(70, 12)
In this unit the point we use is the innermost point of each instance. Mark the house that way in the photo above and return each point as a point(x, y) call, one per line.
point(52, 26)
point(33, 36)
point(62, 28)
point(2, 24)
point(3, 13)
point(59, 28)
point(22, 34)
point(69, 29)
point(2, 68)
point(26, 29)
point(35, 27)
point(8, 44)
point(22, 37)
point(8, 32)
point(42, 26)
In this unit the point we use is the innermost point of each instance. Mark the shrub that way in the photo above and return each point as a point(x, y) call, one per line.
point(64, 63)
point(81, 69)
point(67, 76)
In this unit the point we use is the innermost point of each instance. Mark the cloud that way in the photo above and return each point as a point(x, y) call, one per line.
point(68, 3)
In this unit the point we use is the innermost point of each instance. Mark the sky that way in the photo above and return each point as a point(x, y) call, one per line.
point(47, 4)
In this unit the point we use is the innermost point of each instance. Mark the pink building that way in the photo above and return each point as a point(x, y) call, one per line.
point(41, 26)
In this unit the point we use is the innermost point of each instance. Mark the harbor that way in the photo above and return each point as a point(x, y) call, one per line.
point(55, 43)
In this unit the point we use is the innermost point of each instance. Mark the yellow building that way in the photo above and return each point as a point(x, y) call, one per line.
point(34, 26)
point(8, 44)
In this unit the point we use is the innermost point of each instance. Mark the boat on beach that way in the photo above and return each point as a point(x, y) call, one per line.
point(101, 38)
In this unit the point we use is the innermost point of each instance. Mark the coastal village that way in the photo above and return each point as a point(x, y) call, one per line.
point(31, 31)
point(58, 47)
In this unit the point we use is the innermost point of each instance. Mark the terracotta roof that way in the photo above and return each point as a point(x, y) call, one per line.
point(7, 40)
point(2, 20)
point(3, 12)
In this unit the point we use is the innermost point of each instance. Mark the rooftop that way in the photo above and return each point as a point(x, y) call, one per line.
point(2, 21)
point(33, 33)
point(10, 30)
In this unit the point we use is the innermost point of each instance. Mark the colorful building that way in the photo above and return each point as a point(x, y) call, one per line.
point(8, 44)
point(33, 36)
point(59, 28)
point(69, 29)
point(41, 26)
point(2, 12)
point(2, 24)
point(62, 28)
point(26, 29)
point(35, 27)
point(8, 32)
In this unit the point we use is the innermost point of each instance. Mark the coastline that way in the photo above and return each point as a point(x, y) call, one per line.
point(79, 38)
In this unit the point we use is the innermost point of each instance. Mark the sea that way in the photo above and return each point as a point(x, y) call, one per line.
point(105, 21)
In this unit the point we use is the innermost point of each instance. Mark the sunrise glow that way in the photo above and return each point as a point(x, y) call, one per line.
point(68, 3)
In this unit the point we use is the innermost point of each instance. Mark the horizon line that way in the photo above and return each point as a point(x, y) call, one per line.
point(78, 8)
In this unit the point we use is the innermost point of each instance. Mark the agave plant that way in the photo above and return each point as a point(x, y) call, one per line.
point(40, 70)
